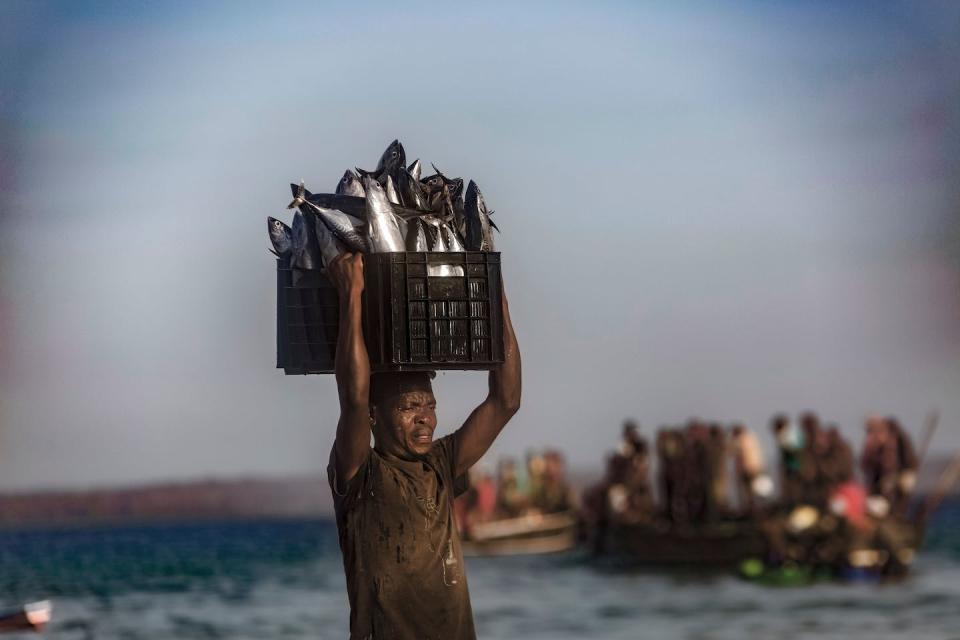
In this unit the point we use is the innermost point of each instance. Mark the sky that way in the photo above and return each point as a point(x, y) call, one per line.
point(716, 210)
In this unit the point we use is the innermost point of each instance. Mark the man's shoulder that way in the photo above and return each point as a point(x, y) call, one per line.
point(445, 449)
point(343, 489)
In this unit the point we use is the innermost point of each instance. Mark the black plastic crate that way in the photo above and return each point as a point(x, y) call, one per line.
point(412, 320)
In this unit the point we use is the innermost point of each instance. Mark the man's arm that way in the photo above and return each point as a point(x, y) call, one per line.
point(503, 401)
point(352, 368)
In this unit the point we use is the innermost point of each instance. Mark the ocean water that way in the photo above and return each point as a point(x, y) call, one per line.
point(257, 580)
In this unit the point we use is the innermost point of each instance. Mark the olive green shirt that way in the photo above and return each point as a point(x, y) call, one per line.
point(401, 549)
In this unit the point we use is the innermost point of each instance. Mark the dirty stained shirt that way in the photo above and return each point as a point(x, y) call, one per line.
point(401, 549)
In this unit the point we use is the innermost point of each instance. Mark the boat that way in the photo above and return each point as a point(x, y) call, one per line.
point(30, 617)
point(724, 544)
point(888, 551)
point(534, 533)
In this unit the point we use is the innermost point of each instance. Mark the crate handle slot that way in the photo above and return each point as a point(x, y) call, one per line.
point(444, 270)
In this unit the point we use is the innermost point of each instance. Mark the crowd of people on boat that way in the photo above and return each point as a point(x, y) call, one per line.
point(707, 473)
point(539, 486)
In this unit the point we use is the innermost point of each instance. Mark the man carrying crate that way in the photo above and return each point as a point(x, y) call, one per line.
point(394, 501)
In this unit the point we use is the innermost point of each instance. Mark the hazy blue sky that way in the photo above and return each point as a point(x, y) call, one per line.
point(713, 211)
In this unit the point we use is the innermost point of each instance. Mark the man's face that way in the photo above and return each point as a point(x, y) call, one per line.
point(409, 421)
point(876, 429)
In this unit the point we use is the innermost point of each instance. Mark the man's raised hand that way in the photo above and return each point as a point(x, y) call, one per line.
point(346, 274)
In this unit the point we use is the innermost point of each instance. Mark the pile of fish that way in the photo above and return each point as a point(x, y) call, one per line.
point(388, 209)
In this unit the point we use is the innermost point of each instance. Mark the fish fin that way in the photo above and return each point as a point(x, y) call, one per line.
point(298, 194)
point(439, 173)
point(492, 224)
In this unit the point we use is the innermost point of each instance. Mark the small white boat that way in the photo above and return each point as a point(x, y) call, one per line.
point(535, 533)
point(30, 617)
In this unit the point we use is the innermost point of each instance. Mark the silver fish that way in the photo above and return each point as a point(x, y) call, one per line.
point(402, 225)
point(410, 190)
point(393, 158)
point(439, 240)
point(391, 190)
point(479, 233)
point(281, 237)
point(345, 227)
point(455, 185)
point(440, 246)
point(417, 236)
point(330, 245)
point(453, 239)
point(414, 169)
point(350, 185)
point(382, 229)
point(306, 252)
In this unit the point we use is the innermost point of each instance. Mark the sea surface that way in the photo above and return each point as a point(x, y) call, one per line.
point(258, 580)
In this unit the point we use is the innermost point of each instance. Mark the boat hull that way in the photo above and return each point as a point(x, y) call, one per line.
point(528, 535)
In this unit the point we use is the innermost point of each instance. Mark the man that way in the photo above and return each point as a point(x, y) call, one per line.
point(814, 490)
point(790, 443)
point(393, 502)
point(748, 465)
point(510, 502)
point(697, 482)
point(558, 494)
point(716, 471)
point(838, 463)
point(907, 464)
point(671, 449)
point(879, 460)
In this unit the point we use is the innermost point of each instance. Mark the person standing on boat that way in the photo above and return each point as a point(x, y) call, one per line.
point(790, 442)
point(880, 459)
point(716, 472)
point(813, 488)
point(907, 464)
point(748, 465)
point(394, 501)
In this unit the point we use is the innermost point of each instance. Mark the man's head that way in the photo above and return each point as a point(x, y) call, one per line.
point(403, 412)
point(779, 422)
point(877, 429)
point(810, 423)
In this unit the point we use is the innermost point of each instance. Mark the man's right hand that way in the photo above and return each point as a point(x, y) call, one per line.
point(346, 273)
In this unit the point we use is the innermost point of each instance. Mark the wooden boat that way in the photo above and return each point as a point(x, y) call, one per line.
point(530, 534)
point(29, 617)
point(721, 545)
point(888, 552)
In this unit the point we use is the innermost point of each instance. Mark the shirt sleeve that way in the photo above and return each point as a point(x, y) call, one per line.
point(446, 449)
point(345, 494)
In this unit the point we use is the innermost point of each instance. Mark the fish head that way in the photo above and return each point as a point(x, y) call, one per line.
point(456, 188)
point(373, 187)
point(432, 184)
point(277, 228)
point(349, 183)
point(450, 182)
point(475, 198)
point(393, 158)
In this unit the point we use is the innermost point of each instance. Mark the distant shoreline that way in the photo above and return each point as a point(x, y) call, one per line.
point(223, 500)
